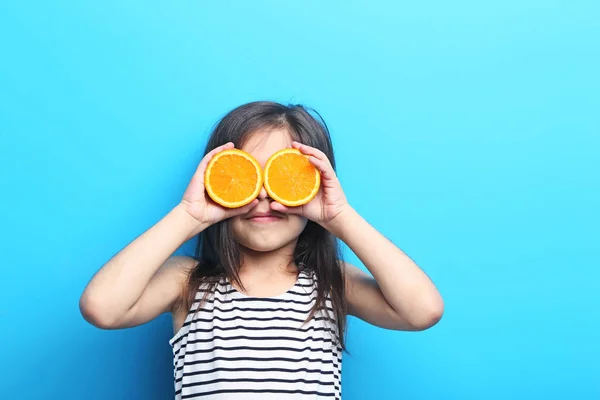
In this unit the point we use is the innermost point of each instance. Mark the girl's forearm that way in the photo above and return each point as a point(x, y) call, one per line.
point(118, 285)
point(407, 289)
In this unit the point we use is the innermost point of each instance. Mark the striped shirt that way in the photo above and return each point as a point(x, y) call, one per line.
point(241, 347)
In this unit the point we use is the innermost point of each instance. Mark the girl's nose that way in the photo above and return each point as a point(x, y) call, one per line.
point(263, 194)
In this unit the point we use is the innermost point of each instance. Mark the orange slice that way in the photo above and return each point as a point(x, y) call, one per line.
point(233, 178)
point(290, 178)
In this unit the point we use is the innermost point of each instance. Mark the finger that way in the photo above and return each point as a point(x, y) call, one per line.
point(324, 168)
point(226, 146)
point(309, 150)
point(313, 152)
point(275, 206)
point(199, 174)
point(232, 212)
point(214, 152)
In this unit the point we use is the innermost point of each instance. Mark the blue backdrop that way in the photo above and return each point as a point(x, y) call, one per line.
point(468, 132)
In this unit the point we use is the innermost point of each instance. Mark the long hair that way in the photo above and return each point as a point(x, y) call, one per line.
point(219, 255)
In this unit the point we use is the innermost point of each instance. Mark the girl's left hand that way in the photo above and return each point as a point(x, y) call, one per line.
point(329, 202)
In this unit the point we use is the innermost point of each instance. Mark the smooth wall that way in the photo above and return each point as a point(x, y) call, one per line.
point(468, 132)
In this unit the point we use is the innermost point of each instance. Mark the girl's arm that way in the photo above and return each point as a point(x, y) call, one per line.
point(144, 280)
point(400, 296)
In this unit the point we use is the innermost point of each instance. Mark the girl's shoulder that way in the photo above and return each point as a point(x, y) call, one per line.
point(179, 267)
point(176, 271)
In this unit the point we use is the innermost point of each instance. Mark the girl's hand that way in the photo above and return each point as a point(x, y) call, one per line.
point(199, 205)
point(330, 202)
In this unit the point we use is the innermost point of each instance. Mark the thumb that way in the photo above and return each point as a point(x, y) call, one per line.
point(232, 212)
point(275, 206)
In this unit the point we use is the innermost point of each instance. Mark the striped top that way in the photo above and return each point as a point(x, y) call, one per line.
point(242, 347)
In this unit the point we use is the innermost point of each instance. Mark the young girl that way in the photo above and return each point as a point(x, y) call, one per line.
point(260, 312)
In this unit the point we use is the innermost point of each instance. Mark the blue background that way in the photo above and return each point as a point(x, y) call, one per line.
point(468, 132)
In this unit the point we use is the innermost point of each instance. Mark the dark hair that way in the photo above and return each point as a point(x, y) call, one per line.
point(218, 254)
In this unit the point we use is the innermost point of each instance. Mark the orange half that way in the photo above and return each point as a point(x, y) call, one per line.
point(290, 178)
point(233, 178)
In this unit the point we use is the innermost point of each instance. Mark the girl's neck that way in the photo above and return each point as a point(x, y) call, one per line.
point(266, 274)
point(264, 264)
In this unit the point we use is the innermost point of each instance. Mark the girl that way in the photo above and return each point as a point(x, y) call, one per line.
point(260, 312)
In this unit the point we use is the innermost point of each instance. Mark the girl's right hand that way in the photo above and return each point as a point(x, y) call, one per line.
point(197, 202)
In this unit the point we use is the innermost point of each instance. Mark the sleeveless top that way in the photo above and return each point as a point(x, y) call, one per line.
point(241, 347)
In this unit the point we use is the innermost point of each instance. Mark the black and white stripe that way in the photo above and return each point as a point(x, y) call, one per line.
point(241, 347)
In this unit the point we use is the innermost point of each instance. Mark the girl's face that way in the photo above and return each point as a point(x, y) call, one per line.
point(263, 229)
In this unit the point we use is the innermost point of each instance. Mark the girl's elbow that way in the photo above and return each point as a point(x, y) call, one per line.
point(429, 315)
point(435, 314)
point(95, 312)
